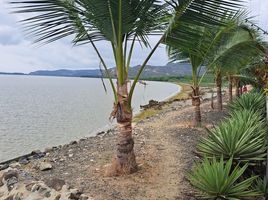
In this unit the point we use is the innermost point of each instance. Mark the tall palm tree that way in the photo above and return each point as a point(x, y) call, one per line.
point(122, 23)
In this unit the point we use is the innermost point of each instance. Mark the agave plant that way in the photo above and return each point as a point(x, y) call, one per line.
point(242, 137)
point(217, 180)
point(254, 101)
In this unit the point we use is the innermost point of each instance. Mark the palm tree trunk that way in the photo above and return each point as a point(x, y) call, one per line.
point(125, 162)
point(197, 110)
point(212, 99)
point(237, 90)
point(219, 91)
point(230, 86)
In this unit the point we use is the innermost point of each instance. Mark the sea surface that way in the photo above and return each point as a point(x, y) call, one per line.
point(38, 112)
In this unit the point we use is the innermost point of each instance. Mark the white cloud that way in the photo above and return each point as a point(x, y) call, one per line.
point(18, 54)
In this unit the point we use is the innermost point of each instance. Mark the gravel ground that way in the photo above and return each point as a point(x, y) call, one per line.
point(164, 146)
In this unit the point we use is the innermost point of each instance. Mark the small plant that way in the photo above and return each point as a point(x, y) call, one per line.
point(242, 137)
point(261, 186)
point(217, 180)
point(251, 101)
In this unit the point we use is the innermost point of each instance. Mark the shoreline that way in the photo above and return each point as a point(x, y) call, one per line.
point(103, 130)
point(162, 141)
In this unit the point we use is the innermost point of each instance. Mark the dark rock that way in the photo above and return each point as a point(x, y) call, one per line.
point(3, 167)
point(57, 197)
point(38, 154)
point(74, 142)
point(101, 133)
point(75, 195)
point(55, 183)
point(11, 182)
point(10, 174)
point(24, 161)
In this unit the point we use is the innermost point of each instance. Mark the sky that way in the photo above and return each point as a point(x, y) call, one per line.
point(19, 54)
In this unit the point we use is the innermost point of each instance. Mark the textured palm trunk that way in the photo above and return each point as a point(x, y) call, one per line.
point(230, 88)
point(197, 110)
point(212, 100)
point(219, 91)
point(125, 162)
point(237, 89)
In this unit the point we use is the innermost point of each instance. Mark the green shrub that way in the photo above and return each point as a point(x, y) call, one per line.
point(217, 180)
point(250, 101)
point(242, 137)
point(261, 186)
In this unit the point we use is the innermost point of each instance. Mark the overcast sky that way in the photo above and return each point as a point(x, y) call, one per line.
point(18, 54)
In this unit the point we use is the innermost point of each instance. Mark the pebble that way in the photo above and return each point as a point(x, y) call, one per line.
point(43, 166)
point(23, 161)
point(15, 165)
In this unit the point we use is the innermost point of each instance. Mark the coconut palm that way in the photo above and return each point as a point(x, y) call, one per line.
point(221, 48)
point(199, 53)
point(235, 51)
point(122, 23)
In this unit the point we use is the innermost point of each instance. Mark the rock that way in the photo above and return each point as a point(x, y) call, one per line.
point(11, 182)
point(83, 197)
point(24, 161)
point(75, 194)
point(1, 181)
point(48, 150)
point(38, 154)
point(57, 197)
point(55, 183)
point(74, 142)
point(15, 165)
point(43, 166)
point(71, 155)
point(29, 186)
point(10, 174)
point(101, 133)
point(3, 167)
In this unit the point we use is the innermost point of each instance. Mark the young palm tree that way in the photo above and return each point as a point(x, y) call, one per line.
point(122, 23)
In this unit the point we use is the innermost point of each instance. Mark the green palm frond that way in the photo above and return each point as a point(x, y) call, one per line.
point(97, 19)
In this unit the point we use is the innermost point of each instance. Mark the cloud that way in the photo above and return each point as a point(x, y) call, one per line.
point(18, 54)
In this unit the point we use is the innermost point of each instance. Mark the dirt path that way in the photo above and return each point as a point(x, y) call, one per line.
point(164, 148)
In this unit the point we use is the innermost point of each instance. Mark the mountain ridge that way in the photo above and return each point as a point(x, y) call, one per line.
point(171, 69)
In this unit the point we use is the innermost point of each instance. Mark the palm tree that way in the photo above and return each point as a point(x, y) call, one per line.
point(122, 23)
point(199, 53)
point(237, 48)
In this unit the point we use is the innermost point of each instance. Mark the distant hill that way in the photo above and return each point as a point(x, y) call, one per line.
point(14, 73)
point(66, 72)
point(172, 69)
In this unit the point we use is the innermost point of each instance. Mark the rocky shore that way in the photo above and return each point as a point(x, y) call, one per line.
point(165, 145)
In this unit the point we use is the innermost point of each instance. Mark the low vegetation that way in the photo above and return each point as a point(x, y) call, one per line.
point(233, 153)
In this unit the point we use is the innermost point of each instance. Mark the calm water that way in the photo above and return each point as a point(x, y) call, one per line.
point(39, 112)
